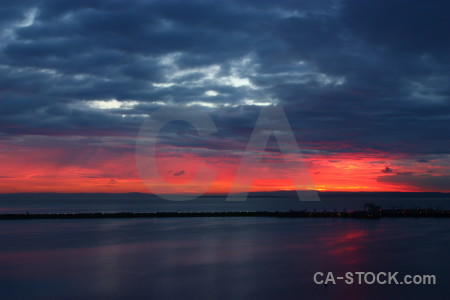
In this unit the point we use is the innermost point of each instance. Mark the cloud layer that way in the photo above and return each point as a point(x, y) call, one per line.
point(356, 77)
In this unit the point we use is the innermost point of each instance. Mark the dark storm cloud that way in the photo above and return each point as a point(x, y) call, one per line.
point(179, 173)
point(404, 173)
point(407, 27)
point(423, 182)
point(358, 75)
point(387, 170)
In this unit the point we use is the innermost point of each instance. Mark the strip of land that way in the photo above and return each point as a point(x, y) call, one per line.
point(366, 214)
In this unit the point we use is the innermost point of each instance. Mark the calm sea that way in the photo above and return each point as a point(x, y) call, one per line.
point(216, 258)
point(73, 203)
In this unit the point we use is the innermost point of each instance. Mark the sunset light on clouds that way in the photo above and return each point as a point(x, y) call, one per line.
point(224, 149)
point(368, 105)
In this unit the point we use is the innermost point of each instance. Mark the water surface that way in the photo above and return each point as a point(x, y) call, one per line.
point(218, 258)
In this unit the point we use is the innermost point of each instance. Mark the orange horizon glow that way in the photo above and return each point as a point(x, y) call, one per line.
point(33, 170)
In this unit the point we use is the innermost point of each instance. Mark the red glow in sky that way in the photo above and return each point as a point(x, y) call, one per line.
point(101, 169)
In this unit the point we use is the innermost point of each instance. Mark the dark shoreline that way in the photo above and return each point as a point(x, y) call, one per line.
point(392, 213)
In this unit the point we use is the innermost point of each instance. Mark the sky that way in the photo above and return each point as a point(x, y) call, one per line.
point(364, 84)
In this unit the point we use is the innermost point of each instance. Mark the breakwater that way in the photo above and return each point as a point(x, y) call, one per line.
point(363, 214)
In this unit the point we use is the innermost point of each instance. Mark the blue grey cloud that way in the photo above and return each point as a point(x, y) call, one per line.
point(371, 75)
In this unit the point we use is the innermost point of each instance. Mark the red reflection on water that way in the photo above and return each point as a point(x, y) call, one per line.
point(347, 246)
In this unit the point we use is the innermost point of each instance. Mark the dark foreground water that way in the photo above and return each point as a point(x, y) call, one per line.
point(218, 258)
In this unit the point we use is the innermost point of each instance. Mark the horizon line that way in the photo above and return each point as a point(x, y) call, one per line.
point(225, 194)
